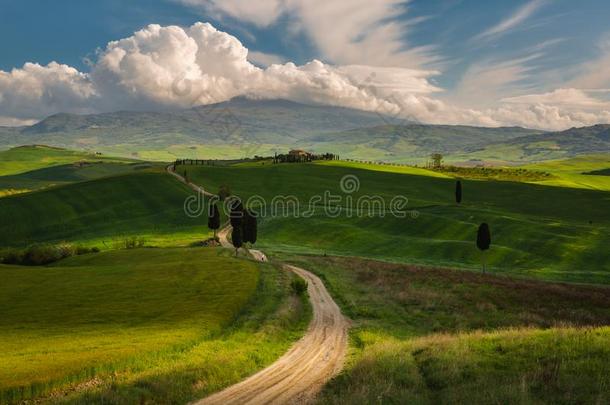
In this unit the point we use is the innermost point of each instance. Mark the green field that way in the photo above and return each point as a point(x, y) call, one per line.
point(431, 335)
point(538, 231)
point(103, 213)
point(132, 325)
point(573, 172)
point(27, 158)
point(170, 324)
point(29, 168)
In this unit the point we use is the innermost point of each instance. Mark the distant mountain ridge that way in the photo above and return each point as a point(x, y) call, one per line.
point(282, 124)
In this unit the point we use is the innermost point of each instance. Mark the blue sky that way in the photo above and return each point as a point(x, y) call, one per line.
point(470, 54)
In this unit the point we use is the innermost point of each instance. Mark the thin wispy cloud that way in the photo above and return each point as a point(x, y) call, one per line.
point(513, 21)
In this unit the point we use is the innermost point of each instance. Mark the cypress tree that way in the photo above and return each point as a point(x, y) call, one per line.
point(237, 238)
point(214, 218)
point(458, 192)
point(249, 227)
point(237, 213)
point(483, 241)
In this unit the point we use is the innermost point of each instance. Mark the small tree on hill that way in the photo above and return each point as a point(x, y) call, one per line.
point(224, 192)
point(483, 241)
point(249, 227)
point(437, 160)
point(237, 238)
point(458, 192)
point(214, 218)
point(185, 176)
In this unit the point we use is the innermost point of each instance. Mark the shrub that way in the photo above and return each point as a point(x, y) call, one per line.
point(38, 255)
point(299, 286)
point(83, 250)
point(11, 256)
point(41, 254)
point(133, 242)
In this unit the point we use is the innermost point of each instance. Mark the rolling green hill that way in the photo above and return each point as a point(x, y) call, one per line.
point(546, 232)
point(102, 212)
point(33, 157)
point(141, 326)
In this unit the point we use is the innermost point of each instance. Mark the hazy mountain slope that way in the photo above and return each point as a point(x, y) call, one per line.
point(244, 127)
point(549, 146)
point(417, 140)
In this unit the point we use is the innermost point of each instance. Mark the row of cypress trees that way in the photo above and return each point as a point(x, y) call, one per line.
point(243, 221)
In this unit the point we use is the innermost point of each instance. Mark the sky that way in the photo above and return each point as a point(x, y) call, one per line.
point(533, 63)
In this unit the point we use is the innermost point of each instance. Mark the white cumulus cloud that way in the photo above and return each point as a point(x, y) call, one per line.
point(175, 67)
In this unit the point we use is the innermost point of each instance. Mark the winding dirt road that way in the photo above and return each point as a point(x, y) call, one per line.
point(300, 373)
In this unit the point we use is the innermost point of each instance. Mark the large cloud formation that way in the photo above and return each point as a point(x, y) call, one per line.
point(174, 67)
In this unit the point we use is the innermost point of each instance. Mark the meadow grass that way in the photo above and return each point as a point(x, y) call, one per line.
point(102, 212)
point(152, 325)
point(551, 233)
point(434, 335)
point(27, 158)
point(65, 174)
point(573, 172)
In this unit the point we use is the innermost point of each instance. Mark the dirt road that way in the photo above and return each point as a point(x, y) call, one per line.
point(318, 356)
point(313, 360)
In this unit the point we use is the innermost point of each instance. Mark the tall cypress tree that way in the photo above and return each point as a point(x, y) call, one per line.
point(237, 238)
point(483, 241)
point(214, 218)
point(458, 192)
point(249, 227)
point(237, 213)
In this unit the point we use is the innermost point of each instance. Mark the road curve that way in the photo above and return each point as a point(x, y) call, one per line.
point(300, 373)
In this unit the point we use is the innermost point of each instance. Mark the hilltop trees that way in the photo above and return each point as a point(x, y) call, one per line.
point(214, 219)
point(483, 241)
point(458, 192)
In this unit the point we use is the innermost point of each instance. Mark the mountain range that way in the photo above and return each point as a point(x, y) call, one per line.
point(280, 125)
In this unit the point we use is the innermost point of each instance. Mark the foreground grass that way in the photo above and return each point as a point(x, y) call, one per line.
point(553, 366)
point(152, 325)
point(430, 335)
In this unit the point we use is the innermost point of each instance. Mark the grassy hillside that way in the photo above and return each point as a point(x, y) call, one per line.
point(582, 172)
point(147, 325)
point(65, 174)
point(547, 232)
point(103, 212)
point(27, 158)
point(432, 335)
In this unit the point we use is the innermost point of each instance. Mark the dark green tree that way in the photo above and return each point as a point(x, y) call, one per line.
point(213, 218)
point(224, 192)
point(237, 238)
point(483, 241)
point(250, 227)
point(458, 192)
point(237, 213)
